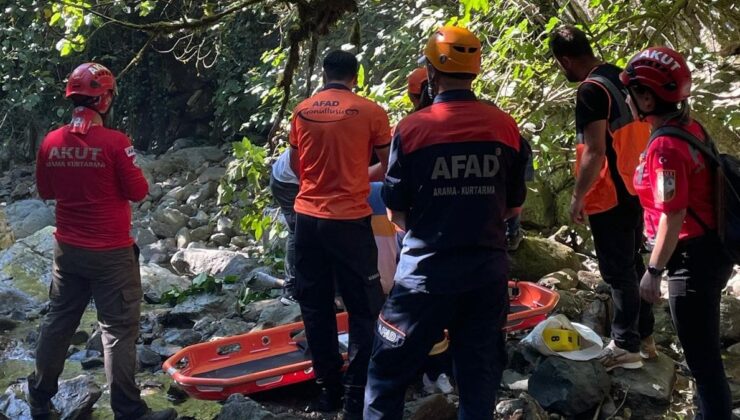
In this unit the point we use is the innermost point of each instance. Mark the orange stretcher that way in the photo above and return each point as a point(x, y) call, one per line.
point(277, 357)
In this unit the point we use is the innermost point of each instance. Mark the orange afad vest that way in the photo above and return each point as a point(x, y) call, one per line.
point(629, 139)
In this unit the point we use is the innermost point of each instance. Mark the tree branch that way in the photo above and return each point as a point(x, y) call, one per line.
point(164, 27)
point(137, 58)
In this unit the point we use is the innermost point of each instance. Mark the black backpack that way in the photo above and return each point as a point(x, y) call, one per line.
point(727, 175)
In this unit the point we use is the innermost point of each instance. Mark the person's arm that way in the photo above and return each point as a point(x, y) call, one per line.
point(381, 145)
point(592, 160)
point(516, 189)
point(398, 218)
point(134, 185)
point(293, 144)
point(592, 113)
point(668, 174)
point(666, 240)
point(294, 161)
point(43, 183)
point(396, 192)
point(377, 171)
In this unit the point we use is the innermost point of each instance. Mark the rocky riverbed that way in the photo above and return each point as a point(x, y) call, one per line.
point(183, 233)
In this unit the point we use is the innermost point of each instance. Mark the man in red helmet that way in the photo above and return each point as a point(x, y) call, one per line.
point(90, 170)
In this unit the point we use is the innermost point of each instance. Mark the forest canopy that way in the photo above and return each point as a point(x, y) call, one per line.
point(216, 71)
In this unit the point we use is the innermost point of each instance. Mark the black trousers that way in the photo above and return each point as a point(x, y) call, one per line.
point(113, 281)
point(617, 237)
point(343, 250)
point(285, 193)
point(409, 326)
point(697, 272)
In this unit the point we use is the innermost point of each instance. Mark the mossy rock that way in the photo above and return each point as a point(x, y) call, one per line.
point(537, 257)
point(538, 209)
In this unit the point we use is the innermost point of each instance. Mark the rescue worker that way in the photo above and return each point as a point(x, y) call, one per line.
point(610, 141)
point(333, 134)
point(417, 92)
point(677, 188)
point(456, 172)
point(284, 188)
point(438, 367)
point(91, 172)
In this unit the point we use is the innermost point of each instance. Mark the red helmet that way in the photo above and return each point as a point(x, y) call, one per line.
point(661, 69)
point(94, 80)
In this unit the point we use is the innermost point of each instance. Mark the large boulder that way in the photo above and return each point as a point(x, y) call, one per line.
point(597, 313)
point(215, 262)
point(74, 401)
point(28, 216)
point(238, 407)
point(189, 158)
point(27, 264)
point(195, 307)
point(522, 408)
point(14, 302)
point(167, 221)
point(648, 390)
point(155, 281)
point(571, 304)
point(435, 406)
point(13, 404)
point(588, 280)
point(537, 257)
point(538, 209)
point(209, 327)
point(276, 314)
point(729, 320)
point(568, 387)
point(663, 331)
point(565, 279)
point(6, 232)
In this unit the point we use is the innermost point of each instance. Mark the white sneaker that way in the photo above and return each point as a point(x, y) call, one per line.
point(441, 385)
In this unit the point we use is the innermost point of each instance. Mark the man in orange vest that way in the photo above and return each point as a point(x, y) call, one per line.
point(610, 141)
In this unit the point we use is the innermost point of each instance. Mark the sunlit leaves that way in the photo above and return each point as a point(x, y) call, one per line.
point(146, 7)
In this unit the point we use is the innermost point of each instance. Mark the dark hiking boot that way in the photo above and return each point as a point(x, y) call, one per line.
point(168, 414)
point(41, 408)
point(329, 399)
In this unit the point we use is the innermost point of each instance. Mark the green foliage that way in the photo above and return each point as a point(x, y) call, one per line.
point(249, 295)
point(245, 187)
point(202, 283)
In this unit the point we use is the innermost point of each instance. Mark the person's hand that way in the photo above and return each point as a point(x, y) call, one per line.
point(650, 287)
point(577, 213)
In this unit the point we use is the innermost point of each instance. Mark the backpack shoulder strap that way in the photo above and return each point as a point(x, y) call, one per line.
point(616, 95)
point(707, 148)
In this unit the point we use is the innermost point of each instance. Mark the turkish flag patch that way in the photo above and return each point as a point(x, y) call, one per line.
point(665, 189)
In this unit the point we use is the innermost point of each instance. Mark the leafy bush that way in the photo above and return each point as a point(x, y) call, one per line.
point(202, 283)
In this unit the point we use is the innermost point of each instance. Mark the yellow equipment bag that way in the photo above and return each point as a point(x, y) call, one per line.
point(558, 339)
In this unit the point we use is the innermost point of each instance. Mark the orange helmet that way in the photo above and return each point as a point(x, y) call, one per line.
point(416, 79)
point(452, 49)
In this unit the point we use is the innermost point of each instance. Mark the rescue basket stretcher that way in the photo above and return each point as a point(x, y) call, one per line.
point(277, 357)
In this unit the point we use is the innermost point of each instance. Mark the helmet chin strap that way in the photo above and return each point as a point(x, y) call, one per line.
point(635, 106)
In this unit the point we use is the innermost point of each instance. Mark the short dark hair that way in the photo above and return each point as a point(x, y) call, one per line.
point(340, 65)
point(569, 41)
